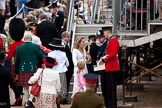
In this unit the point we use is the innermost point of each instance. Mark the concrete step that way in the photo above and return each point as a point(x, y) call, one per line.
point(90, 28)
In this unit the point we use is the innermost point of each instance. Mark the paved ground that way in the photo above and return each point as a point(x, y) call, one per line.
point(149, 97)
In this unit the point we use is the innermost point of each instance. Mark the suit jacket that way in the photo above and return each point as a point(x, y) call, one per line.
point(46, 31)
point(5, 81)
point(28, 57)
point(69, 56)
point(87, 99)
point(58, 21)
point(111, 60)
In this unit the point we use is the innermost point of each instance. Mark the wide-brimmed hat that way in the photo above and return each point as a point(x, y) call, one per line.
point(50, 61)
point(56, 43)
point(100, 33)
point(54, 4)
point(2, 56)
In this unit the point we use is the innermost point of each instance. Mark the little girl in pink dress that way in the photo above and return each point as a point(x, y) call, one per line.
point(80, 80)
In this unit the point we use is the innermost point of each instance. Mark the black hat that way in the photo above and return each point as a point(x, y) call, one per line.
point(50, 61)
point(34, 23)
point(2, 56)
point(54, 4)
point(99, 33)
point(106, 28)
point(91, 78)
point(17, 29)
point(56, 43)
point(91, 36)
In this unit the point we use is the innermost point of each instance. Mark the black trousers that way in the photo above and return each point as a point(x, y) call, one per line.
point(109, 87)
point(69, 75)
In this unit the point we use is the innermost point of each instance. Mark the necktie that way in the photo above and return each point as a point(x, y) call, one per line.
point(53, 18)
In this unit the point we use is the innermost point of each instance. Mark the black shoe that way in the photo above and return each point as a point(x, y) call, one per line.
point(58, 106)
point(65, 101)
point(18, 102)
point(29, 104)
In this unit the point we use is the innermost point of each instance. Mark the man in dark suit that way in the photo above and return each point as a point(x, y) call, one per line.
point(6, 80)
point(88, 99)
point(57, 16)
point(46, 31)
point(66, 42)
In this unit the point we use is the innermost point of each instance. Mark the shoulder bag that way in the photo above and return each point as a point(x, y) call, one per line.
point(35, 90)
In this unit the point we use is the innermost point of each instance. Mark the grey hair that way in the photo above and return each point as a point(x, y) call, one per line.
point(64, 34)
point(43, 16)
point(28, 36)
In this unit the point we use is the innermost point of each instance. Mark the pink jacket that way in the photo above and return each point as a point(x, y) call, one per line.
point(80, 82)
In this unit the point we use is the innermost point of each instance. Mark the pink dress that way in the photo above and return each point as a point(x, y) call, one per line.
point(80, 84)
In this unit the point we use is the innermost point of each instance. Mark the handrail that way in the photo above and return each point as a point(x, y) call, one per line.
point(73, 36)
point(96, 2)
point(70, 16)
point(23, 5)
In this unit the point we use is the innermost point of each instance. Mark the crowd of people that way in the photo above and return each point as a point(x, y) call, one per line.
point(39, 46)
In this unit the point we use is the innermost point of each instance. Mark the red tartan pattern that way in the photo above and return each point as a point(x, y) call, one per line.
point(24, 78)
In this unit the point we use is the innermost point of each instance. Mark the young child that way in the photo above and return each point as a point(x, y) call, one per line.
point(80, 80)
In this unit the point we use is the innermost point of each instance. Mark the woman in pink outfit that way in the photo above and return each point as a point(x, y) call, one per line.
point(80, 80)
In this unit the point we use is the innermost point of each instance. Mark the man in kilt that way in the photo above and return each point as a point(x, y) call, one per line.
point(28, 58)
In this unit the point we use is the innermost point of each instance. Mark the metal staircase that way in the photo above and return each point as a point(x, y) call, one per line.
point(132, 38)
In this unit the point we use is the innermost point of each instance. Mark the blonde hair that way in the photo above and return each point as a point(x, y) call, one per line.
point(78, 41)
point(81, 66)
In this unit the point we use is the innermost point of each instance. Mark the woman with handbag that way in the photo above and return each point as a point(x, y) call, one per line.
point(49, 80)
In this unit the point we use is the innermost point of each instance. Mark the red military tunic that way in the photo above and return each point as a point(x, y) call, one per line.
point(12, 49)
point(111, 60)
point(12, 52)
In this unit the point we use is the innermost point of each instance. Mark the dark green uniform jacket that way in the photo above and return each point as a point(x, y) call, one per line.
point(28, 56)
point(88, 99)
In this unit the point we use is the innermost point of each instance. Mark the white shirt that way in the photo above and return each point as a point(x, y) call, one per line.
point(50, 80)
point(61, 59)
point(64, 43)
point(36, 40)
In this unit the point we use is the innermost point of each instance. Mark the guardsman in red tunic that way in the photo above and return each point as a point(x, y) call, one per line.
point(16, 30)
point(108, 78)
